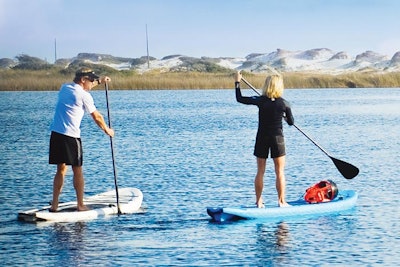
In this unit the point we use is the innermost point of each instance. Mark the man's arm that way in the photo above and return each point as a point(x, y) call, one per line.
point(99, 120)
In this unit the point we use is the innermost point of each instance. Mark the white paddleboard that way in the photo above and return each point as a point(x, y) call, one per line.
point(101, 205)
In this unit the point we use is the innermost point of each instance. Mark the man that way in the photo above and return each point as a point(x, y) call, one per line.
point(74, 99)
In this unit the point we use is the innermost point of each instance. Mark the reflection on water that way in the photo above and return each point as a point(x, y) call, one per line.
point(67, 242)
point(273, 242)
point(278, 237)
point(282, 235)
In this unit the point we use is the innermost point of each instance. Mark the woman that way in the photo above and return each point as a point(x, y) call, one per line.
point(272, 108)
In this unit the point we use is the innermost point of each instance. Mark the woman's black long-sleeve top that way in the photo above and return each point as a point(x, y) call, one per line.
point(271, 112)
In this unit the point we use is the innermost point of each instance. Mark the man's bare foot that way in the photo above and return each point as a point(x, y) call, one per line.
point(53, 206)
point(82, 208)
point(52, 210)
point(284, 205)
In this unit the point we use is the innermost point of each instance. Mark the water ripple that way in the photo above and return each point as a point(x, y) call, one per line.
point(187, 150)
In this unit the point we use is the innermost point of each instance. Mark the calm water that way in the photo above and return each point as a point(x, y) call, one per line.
point(187, 150)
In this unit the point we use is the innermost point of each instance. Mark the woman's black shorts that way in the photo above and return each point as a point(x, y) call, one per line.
point(266, 143)
point(65, 149)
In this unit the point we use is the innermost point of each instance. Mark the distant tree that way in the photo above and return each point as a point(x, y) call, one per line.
point(199, 65)
point(139, 61)
point(6, 63)
point(98, 68)
point(26, 62)
point(170, 56)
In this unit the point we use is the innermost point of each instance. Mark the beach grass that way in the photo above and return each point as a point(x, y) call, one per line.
point(50, 80)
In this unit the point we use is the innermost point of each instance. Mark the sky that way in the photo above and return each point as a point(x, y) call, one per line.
point(196, 28)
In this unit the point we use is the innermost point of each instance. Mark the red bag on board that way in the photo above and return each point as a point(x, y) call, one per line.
point(322, 191)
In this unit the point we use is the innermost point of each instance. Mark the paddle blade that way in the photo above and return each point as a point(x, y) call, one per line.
point(348, 170)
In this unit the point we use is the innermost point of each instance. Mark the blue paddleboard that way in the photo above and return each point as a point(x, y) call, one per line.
point(345, 200)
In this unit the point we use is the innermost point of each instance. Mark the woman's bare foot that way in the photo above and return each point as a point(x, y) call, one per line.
point(260, 205)
point(284, 205)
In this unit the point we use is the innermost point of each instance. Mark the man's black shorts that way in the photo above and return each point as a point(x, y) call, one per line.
point(65, 149)
point(266, 143)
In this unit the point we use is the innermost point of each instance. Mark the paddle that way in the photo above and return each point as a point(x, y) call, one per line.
point(348, 170)
point(112, 152)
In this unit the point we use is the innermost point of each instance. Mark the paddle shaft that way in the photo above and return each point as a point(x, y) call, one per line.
point(251, 86)
point(112, 151)
point(348, 170)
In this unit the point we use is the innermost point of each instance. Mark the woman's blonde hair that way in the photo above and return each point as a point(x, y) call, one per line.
point(273, 86)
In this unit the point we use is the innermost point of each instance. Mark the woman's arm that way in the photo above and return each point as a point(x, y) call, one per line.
point(239, 97)
point(289, 116)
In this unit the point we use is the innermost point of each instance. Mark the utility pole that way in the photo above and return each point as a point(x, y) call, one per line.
point(147, 47)
point(55, 50)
